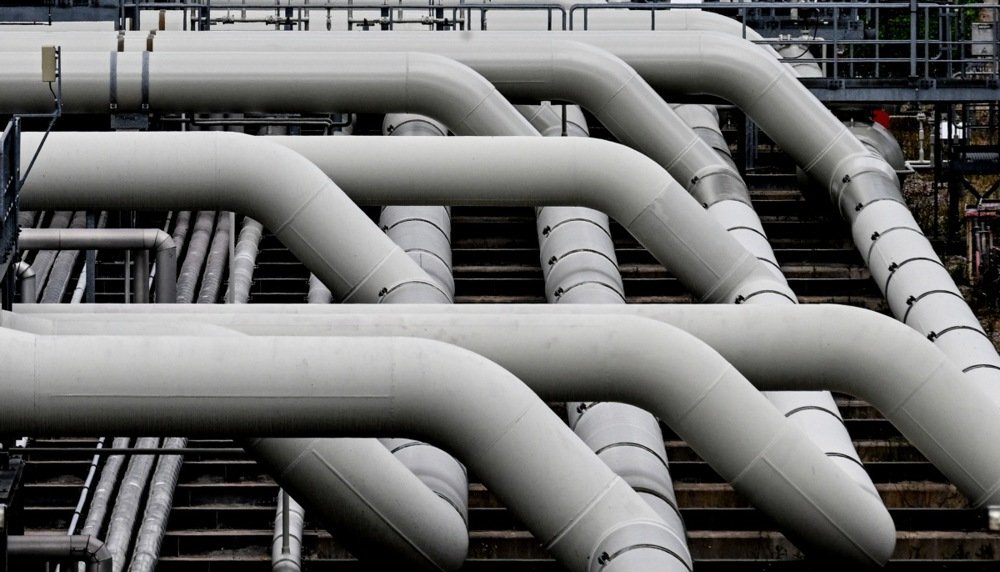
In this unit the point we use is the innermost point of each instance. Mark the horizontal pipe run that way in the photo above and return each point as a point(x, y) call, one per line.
point(224, 171)
point(926, 397)
point(155, 240)
point(519, 171)
point(82, 548)
point(565, 357)
point(316, 386)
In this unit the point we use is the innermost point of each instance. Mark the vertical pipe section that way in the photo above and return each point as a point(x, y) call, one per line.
point(579, 265)
point(424, 233)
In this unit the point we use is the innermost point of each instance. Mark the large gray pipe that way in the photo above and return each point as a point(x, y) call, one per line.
point(574, 357)
point(816, 412)
point(580, 266)
point(235, 172)
point(924, 394)
point(155, 240)
point(385, 386)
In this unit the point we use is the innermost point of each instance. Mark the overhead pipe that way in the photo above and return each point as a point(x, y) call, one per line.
point(84, 548)
point(567, 355)
point(26, 281)
point(580, 266)
point(601, 175)
point(177, 82)
point(523, 452)
point(942, 412)
point(815, 412)
point(159, 242)
point(230, 171)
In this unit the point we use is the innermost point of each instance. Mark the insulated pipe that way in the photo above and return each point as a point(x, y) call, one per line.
point(579, 265)
point(84, 548)
point(258, 82)
point(26, 280)
point(62, 266)
point(130, 494)
point(146, 553)
point(518, 171)
point(569, 355)
point(315, 386)
point(194, 260)
point(105, 486)
point(156, 240)
point(424, 233)
point(286, 552)
point(942, 412)
point(217, 261)
point(226, 171)
point(368, 514)
point(815, 412)
point(245, 260)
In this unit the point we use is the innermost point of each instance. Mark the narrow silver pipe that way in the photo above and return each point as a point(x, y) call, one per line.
point(88, 482)
point(385, 386)
point(286, 546)
point(62, 266)
point(571, 355)
point(43, 260)
point(121, 527)
point(580, 266)
point(194, 260)
point(216, 261)
point(245, 259)
point(84, 548)
point(156, 240)
point(94, 522)
point(26, 281)
point(160, 500)
point(140, 277)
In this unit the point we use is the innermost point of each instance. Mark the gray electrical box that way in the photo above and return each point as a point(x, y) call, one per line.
point(984, 39)
point(48, 64)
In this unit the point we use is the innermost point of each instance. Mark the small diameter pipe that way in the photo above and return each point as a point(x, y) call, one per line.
point(26, 281)
point(156, 240)
point(95, 462)
point(286, 546)
point(130, 494)
point(285, 387)
point(194, 260)
point(215, 263)
point(245, 260)
point(565, 354)
point(62, 266)
point(83, 548)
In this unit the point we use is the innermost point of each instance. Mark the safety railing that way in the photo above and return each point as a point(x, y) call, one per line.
point(9, 186)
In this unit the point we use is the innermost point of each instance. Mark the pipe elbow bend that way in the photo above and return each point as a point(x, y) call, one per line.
point(163, 241)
